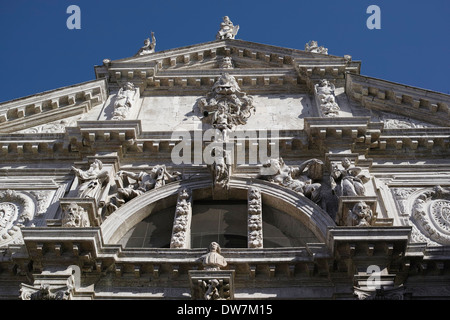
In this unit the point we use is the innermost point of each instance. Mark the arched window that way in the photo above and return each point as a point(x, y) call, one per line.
point(224, 222)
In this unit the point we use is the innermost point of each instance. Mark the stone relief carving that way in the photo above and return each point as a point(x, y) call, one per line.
point(227, 29)
point(16, 210)
point(212, 290)
point(124, 101)
point(213, 260)
point(211, 285)
point(298, 178)
point(143, 182)
point(44, 292)
point(431, 213)
point(74, 216)
point(43, 198)
point(54, 127)
point(362, 215)
point(92, 181)
point(149, 46)
point(226, 106)
point(380, 294)
point(226, 63)
point(401, 196)
point(397, 122)
point(326, 99)
point(255, 234)
point(183, 214)
point(312, 46)
point(348, 181)
point(221, 168)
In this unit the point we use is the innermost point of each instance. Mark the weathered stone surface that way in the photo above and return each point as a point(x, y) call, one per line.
point(361, 164)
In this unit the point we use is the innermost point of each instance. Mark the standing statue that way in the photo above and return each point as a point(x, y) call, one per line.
point(149, 46)
point(92, 180)
point(227, 29)
point(348, 181)
point(124, 101)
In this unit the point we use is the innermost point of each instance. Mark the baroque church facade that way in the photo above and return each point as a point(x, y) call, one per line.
point(226, 170)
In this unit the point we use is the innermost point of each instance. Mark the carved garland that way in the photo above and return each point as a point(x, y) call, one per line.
point(182, 220)
point(255, 236)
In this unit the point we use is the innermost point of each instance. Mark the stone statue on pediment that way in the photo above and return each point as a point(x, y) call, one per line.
point(227, 29)
point(313, 46)
point(149, 46)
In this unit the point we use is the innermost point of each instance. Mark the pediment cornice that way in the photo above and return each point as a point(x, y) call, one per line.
point(45, 107)
point(198, 65)
point(399, 99)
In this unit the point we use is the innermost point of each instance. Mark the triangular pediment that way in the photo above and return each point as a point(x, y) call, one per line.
point(52, 111)
point(196, 64)
point(397, 105)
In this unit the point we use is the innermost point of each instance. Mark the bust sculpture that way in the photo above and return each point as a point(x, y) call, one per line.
point(213, 260)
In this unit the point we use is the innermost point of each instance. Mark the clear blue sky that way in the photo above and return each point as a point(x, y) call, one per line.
point(39, 53)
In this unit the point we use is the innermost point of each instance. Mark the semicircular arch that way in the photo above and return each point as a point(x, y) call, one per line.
point(295, 204)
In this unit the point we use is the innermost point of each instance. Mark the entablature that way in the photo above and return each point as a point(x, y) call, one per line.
point(53, 105)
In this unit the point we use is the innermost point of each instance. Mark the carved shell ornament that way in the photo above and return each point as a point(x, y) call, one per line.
point(431, 214)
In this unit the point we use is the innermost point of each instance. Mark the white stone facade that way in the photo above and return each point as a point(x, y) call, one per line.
point(360, 181)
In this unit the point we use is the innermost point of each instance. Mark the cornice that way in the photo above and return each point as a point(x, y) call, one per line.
point(382, 95)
